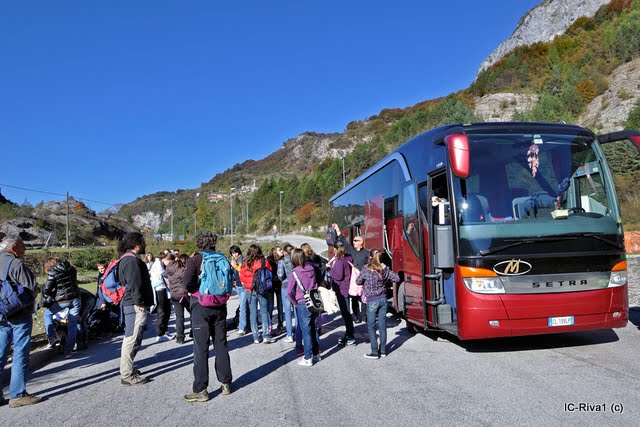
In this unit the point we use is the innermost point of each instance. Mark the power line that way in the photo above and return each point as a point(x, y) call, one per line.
point(56, 194)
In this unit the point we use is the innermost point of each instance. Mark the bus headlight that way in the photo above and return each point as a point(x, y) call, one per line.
point(484, 285)
point(618, 278)
point(618, 275)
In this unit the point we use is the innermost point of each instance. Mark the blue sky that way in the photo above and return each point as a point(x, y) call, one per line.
point(114, 100)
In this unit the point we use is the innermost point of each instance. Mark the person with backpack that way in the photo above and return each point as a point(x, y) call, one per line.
point(204, 271)
point(320, 268)
point(16, 319)
point(275, 294)
point(133, 275)
point(161, 302)
point(284, 272)
point(174, 275)
point(256, 277)
point(303, 278)
point(243, 296)
point(373, 278)
point(61, 292)
point(341, 275)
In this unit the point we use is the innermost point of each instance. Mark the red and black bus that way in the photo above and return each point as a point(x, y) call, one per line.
point(497, 229)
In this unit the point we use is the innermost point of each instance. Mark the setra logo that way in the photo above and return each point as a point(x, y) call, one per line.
point(514, 267)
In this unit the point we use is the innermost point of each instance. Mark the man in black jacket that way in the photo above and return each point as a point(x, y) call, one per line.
point(138, 297)
point(206, 323)
point(17, 327)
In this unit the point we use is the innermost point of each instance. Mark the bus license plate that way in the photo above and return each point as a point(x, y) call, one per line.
point(561, 321)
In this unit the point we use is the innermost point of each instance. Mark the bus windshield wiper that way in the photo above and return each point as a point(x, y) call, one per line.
point(527, 241)
point(567, 236)
point(595, 236)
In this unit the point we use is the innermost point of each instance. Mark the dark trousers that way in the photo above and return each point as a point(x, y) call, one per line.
point(179, 308)
point(344, 312)
point(209, 323)
point(163, 311)
point(355, 307)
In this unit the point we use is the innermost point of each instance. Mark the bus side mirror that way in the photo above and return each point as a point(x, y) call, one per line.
point(458, 148)
point(632, 135)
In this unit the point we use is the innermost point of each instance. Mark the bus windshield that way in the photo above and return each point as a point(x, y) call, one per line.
point(530, 187)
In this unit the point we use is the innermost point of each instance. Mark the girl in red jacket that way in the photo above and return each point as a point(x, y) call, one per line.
point(253, 262)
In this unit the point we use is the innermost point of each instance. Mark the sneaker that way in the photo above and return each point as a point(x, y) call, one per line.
point(68, 355)
point(25, 400)
point(316, 358)
point(288, 339)
point(351, 341)
point(133, 380)
point(53, 343)
point(202, 396)
point(169, 336)
point(3, 401)
point(383, 354)
point(241, 333)
point(299, 351)
point(162, 338)
point(179, 340)
point(256, 341)
point(268, 340)
point(342, 341)
point(305, 362)
point(371, 356)
point(137, 372)
point(226, 389)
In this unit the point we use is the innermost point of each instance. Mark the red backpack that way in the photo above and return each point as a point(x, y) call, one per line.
point(110, 285)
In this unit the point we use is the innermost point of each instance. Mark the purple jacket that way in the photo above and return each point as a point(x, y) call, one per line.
point(307, 278)
point(341, 274)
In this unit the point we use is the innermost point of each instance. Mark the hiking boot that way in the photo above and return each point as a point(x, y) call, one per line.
point(305, 362)
point(226, 388)
point(371, 356)
point(202, 396)
point(25, 400)
point(133, 380)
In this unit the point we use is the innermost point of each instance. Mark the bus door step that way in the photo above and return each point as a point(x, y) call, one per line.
point(451, 328)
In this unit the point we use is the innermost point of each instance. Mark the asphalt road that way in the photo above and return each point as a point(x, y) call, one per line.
point(425, 380)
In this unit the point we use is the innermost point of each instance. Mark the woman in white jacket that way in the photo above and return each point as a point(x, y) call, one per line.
point(162, 302)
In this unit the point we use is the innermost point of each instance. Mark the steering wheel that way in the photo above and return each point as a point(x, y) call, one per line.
point(576, 209)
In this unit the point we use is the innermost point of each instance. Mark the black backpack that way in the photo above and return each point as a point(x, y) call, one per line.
point(331, 237)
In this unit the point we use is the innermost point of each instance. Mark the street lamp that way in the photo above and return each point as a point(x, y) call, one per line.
point(172, 200)
point(343, 174)
point(231, 213)
point(280, 228)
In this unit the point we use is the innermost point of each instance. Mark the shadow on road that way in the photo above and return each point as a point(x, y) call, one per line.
point(634, 316)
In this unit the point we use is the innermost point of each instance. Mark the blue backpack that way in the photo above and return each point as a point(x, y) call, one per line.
point(13, 296)
point(262, 279)
point(216, 279)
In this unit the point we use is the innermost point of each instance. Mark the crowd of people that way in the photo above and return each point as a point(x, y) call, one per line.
point(272, 294)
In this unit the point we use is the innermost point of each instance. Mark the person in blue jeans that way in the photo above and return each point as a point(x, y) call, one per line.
point(243, 302)
point(303, 278)
point(373, 277)
point(284, 271)
point(252, 263)
point(59, 293)
point(17, 326)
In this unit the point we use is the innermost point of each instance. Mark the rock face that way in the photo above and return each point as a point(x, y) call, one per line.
point(543, 23)
point(608, 112)
point(501, 107)
point(147, 221)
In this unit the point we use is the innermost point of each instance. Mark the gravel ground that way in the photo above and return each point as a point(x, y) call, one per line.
point(633, 270)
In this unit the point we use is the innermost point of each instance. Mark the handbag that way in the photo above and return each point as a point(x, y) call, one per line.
point(311, 297)
point(329, 300)
point(354, 289)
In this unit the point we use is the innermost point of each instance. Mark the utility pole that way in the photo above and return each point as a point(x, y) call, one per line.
point(67, 233)
point(343, 174)
point(247, 217)
point(172, 239)
point(231, 213)
point(280, 229)
point(195, 223)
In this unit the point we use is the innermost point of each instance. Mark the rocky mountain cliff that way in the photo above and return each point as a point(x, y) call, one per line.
point(543, 23)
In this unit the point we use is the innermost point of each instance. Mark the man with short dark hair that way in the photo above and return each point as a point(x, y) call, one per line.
point(206, 323)
point(138, 297)
point(17, 327)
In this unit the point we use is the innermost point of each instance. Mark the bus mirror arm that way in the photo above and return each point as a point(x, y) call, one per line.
point(438, 278)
